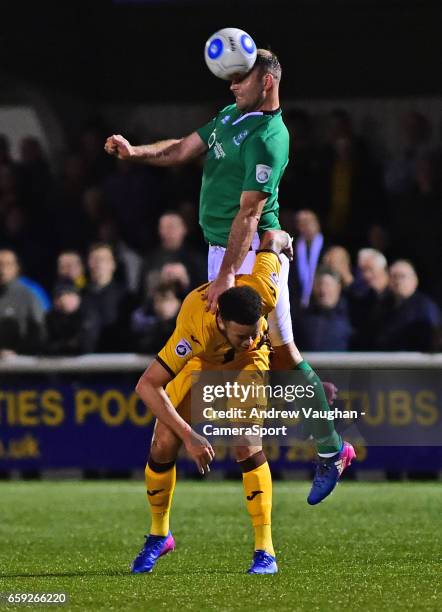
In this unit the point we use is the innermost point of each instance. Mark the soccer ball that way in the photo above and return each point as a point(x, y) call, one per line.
point(230, 51)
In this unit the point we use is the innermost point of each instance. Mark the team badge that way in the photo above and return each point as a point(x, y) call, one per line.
point(183, 348)
point(225, 119)
point(212, 139)
point(274, 277)
point(240, 137)
point(263, 173)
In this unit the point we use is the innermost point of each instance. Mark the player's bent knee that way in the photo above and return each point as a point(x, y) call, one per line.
point(165, 444)
point(244, 452)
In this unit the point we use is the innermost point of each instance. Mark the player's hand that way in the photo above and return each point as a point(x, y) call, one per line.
point(216, 288)
point(331, 392)
point(118, 146)
point(200, 450)
point(288, 249)
point(278, 241)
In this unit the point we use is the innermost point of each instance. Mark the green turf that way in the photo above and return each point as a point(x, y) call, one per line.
point(368, 547)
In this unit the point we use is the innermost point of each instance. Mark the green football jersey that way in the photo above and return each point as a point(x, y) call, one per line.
point(246, 152)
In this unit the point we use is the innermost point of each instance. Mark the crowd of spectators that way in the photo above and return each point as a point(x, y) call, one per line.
point(97, 255)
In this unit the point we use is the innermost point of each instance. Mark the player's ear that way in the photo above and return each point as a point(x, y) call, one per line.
point(268, 81)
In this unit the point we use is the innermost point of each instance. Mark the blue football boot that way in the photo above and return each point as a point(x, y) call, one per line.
point(154, 548)
point(263, 563)
point(328, 473)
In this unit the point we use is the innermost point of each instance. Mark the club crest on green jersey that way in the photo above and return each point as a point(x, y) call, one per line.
point(212, 139)
point(263, 173)
point(240, 137)
point(217, 146)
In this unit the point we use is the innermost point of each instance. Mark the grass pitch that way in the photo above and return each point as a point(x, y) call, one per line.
point(368, 547)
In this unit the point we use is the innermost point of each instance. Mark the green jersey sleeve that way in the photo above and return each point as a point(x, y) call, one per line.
point(264, 164)
point(205, 131)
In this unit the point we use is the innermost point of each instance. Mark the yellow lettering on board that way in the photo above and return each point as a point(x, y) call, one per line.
point(52, 404)
point(28, 408)
point(400, 408)
point(86, 402)
point(427, 412)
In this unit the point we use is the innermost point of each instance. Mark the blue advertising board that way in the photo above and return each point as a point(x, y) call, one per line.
point(101, 424)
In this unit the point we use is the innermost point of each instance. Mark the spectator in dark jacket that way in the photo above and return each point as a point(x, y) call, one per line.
point(70, 267)
point(338, 259)
point(105, 302)
point(68, 329)
point(35, 176)
point(21, 315)
point(412, 319)
point(151, 331)
point(325, 324)
point(308, 249)
point(370, 299)
point(5, 150)
point(172, 250)
point(353, 189)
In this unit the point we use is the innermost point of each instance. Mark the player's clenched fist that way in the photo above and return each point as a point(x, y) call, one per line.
point(200, 450)
point(118, 146)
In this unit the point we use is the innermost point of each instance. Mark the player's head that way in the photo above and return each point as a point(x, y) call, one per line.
point(260, 84)
point(239, 311)
point(267, 62)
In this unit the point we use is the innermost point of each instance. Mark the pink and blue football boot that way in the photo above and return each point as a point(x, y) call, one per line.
point(328, 472)
point(263, 563)
point(154, 548)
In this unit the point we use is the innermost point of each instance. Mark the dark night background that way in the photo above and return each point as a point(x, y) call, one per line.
point(128, 51)
point(361, 95)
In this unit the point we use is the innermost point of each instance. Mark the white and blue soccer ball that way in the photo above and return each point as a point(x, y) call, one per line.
point(230, 51)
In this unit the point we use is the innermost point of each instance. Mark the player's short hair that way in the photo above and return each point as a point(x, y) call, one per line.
point(268, 63)
point(242, 305)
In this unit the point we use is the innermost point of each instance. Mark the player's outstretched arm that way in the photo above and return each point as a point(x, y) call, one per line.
point(162, 153)
point(150, 389)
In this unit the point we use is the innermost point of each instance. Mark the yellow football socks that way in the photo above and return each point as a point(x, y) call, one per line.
point(160, 484)
point(257, 481)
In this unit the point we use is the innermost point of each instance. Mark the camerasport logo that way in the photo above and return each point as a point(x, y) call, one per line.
point(183, 348)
